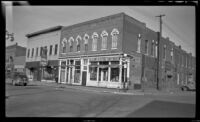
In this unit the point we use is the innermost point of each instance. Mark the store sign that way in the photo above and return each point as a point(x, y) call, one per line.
point(105, 59)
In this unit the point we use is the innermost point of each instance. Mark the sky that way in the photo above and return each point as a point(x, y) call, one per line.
point(178, 24)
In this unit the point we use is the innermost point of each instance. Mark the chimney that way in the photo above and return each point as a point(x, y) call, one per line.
point(179, 46)
point(16, 43)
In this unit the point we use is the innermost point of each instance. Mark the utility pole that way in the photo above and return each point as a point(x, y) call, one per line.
point(158, 47)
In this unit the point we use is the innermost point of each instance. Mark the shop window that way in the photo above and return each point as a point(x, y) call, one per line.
point(104, 36)
point(94, 41)
point(93, 71)
point(114, 75)
point(56, 48)
point(114, 35)
point(77, 72)
point(78, 41)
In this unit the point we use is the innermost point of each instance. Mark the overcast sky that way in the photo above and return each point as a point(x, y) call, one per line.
point(179, 22)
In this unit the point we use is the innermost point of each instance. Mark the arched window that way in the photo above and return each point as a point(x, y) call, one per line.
point(94, 41)
point(78, 42)
point(139, 43)
point(104, 36)
point(114, 35)
point(71, 40)
point(86, 38)
point(64, 45)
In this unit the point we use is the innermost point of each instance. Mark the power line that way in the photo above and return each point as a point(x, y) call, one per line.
point(175, 33)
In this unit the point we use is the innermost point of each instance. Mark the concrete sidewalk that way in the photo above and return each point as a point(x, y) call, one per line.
point(110, 90)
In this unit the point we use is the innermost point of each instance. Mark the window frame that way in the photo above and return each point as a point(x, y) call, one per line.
point(94, 41)
point(50, 50)
point(56, 49)
point(114, 34)
point(78, 43)
point(70, 41)
point(104, 36)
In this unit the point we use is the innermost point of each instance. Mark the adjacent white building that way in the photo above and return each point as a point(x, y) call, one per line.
point(36, 43)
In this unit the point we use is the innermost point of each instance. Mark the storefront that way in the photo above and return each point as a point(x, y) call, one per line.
point(103, 71)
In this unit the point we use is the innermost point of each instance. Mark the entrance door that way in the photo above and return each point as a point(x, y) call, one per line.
point(103, 77)
point(84, 78)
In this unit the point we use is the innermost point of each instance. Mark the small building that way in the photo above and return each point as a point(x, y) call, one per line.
point(42, 54)
point(15, 58)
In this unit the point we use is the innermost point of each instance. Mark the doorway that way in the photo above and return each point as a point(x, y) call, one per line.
point(84, 78)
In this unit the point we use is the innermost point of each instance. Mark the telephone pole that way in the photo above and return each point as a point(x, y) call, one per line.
point(158, 47)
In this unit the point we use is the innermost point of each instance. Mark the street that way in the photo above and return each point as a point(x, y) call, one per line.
point(46, 101)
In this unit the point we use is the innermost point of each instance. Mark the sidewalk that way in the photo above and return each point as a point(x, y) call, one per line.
point(109, 90)
point(86, 88)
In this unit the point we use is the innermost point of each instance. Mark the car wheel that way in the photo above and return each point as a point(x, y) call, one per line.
point(25, 84)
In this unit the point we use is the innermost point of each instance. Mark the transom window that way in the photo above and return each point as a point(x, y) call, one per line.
point(114, 34)
point(104, 36)
point(94, 41)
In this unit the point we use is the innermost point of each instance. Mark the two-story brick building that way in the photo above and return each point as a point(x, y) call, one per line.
point(15, 58)
point(47, 39)
point(108, 51)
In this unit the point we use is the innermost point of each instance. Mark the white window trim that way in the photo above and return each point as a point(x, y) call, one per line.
point(104, 34)
point(94, 35)
point(78, 37)
point(114, 32)
point(86, 38)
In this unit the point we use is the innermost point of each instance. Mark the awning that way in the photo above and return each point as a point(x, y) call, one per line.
point(34, 64)
point(53, 63)
point(103, 66)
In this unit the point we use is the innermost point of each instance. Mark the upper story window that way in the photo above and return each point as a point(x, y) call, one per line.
point(182, 60)
point(94, 41)
point(114, 35)
point(146, 47)
point(71, 40)
point(156, 48)
point(78, 42)
point(28, 53)
point(56, 48)
point(45, 51)
point(104, 36)
point(50, 51)
point(186, 61)
point(139, 43)
point(41, 48)
point(64, 45)
point(164, 52)
point(32, 52)
point(172, 54)
point(152, 48)
point(36, 52)
point(86, 38)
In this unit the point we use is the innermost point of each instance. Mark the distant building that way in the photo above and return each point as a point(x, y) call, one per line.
point(109, 51)
point(42, 54)
point(15, 58)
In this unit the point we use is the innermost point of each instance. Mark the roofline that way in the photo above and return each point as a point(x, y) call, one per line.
point(93, 20)
point(44, 31)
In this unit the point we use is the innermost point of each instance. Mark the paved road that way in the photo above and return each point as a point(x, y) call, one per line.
point(45, 101)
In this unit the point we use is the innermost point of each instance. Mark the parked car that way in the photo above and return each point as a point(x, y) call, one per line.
point(188, 87)
point(19, 79)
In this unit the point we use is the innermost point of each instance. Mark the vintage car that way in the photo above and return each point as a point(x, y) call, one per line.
point(188, 87)
point(19, 79)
